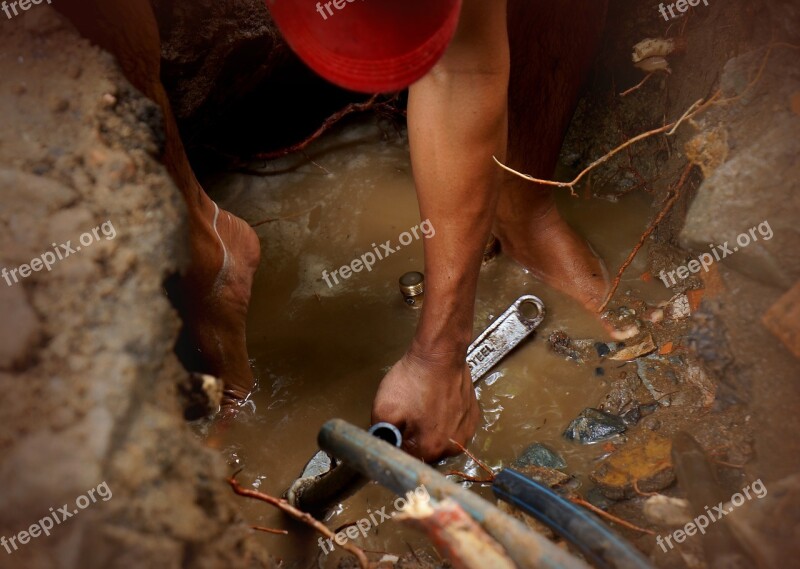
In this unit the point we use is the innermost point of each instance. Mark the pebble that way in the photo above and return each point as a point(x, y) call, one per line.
point(668, 512)
point(541, 455)
point(643, 348)
point(594, 425)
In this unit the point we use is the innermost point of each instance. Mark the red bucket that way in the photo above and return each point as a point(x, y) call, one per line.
point(368, 45)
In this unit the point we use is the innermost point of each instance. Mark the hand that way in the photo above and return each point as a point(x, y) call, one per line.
point(431, 400)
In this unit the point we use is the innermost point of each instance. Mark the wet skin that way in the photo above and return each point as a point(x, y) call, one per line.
point(458, 119)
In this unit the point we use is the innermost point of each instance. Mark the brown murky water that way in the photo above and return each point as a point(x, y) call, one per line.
point(319, 352)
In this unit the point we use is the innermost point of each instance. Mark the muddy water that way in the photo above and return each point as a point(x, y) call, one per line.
point(319, 351)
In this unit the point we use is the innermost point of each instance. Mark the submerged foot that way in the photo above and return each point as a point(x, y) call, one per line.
point(555, 254)
point(215, 296)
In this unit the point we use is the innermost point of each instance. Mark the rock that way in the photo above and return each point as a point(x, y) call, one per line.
point(632, 352)
point(766, 526)
point(580, 351)
point(602, 349)
point(632, 416)
point(648, 463)
point(678, 307)
point(783, 319)
point(203, 44)
point(593, 425)
point(17, 342)
point(549, 477)
point(541, 455)
point(201, 394)
point(626, 333)
point(748, 191)
point(596, 498)
point(708, 150)
point(657, 376)
point(697, 376)
point(668, 512)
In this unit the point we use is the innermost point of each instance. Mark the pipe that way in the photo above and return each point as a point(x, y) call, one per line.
point(401, 473)
point(599, 545)
point(342, 481)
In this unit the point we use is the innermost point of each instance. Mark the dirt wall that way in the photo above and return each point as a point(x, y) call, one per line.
point(86, 348)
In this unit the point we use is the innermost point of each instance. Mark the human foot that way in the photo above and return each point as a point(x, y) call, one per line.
point(214, 296)
point(548, 247)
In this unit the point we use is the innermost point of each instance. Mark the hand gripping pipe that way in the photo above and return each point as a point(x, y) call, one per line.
point(402, 473)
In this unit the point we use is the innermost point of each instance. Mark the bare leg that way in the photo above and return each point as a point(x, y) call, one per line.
point(552, 47)
point(458, 119)
point(215, 291)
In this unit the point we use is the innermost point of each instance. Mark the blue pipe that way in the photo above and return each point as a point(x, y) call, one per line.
point(602, 547)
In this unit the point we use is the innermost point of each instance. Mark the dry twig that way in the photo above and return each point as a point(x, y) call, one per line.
point(483, 467)
point(677, 192)
point(299, 515)
point(270, 530)
point(468, 478)
point(691, 112)
point(610, 517)
point(371, 104)
point(638, 85)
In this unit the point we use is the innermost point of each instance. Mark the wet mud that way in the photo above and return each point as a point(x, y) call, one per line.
point(321, 351)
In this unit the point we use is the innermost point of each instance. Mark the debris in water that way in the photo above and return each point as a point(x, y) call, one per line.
point(678, 307)
point(632, 352)
point(625, 333)
point(594, 425)
point(579, 351)
point(655, 47)
point(632, 415)
point(636, 468)
point(541, 455)
point(666, 511)
point(602, 349)
point(201, 394)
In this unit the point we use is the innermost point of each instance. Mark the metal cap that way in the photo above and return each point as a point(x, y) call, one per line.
point(412, 283)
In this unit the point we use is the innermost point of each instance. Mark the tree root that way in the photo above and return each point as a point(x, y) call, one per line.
point(677, 192)
point(299, 515)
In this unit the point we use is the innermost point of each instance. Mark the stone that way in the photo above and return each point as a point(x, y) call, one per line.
point(541, 455)
point(593, 425)
point(783, 317)
point(647, 462)
point(17, 342)
point(666, 511)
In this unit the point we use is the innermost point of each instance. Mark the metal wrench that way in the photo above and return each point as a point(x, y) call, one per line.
point(502, 336)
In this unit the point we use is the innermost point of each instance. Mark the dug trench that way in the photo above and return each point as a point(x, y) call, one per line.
point(92, 382)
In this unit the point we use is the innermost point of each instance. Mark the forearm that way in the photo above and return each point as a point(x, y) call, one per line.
point(457, 122)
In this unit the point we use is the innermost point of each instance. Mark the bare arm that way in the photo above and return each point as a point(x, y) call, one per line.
point(458, 119)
